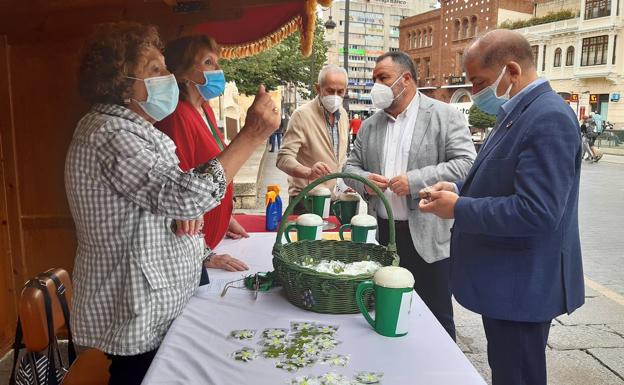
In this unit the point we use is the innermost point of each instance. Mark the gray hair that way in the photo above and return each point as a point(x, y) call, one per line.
point(331, 69)
point(402, 60)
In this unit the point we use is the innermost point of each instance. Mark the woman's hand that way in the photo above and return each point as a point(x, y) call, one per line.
point(190, 227)
point(226, 262)
point(235, 230)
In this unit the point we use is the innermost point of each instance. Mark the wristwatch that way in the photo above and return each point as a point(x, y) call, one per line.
point(208, 254)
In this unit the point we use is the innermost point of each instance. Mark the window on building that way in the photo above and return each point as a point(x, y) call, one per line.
point(465, 26)
point(457, 30)
point(594, 50)
point(420, 37)
point(427, 67)
point(614, 49)
point(393, 49)
point(458, 63)
point(473, 26)
point(544, 59)
point(430, 36)
point(557, 61)
point(570, 56)
point(535, 50)
point(425, 39)
point(597, 8)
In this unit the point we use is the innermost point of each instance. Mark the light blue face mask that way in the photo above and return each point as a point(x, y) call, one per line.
point(487, 100)
point(162, 96)
point(213, 86)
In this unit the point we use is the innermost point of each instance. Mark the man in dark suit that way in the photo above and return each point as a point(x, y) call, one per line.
point(515, 249)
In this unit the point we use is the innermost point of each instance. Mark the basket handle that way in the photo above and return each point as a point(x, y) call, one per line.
point(291, 206)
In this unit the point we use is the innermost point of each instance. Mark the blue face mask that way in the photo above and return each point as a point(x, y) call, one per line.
point(162, 96)
point(487, 100)
point(213, 86)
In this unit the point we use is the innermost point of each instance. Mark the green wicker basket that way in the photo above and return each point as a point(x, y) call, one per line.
point(323, 292)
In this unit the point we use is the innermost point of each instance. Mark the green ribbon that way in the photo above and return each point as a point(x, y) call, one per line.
point(261, 281)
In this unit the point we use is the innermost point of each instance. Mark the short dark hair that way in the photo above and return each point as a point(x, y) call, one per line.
point(180, 54)
point(402, 59)
point(110, 54)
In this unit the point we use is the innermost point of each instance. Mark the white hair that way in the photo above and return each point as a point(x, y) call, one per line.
point(331, 69)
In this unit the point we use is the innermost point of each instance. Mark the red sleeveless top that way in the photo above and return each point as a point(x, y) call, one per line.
point(196, 144)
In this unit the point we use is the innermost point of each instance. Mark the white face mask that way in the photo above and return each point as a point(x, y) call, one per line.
point(382, 94)
point(331, 103)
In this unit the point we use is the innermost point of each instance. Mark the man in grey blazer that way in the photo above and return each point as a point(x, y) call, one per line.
point(412, 142)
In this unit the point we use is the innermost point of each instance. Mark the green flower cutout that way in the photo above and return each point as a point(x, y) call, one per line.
point(305, 380)
point(333, 378)
point(335, 359)
point(243, 334)
point(302, 326)
point(369, 377)
point(327, 329)
point(272, 333)
point(245, 355)
point(286, 365)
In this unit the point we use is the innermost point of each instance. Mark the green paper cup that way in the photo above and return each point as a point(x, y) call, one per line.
point(393, 287)
point(346, 207)
point(363, 229)
point(318, 201)
point(308, 226)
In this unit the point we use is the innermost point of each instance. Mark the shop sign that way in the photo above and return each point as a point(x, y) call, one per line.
point(615, 97)
point(574, 98)
point(593, 99)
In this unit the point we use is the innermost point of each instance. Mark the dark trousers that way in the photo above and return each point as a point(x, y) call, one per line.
point(129, 370)
point(432, 280)
point(516, 351)
point(275, 138)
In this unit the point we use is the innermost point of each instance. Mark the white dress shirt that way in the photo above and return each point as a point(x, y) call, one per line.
point(397, 147)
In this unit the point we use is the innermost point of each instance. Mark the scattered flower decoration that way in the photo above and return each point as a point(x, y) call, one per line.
point(335, 267)
point(243, 334)
point(271, 333)
point(369, 377)
point(245, 354)
point(335, 359)
point(301, 346)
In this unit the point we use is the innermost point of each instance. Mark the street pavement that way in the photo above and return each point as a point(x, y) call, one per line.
point(587, 347)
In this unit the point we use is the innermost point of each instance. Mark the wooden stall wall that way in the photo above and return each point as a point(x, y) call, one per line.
point(39, 106)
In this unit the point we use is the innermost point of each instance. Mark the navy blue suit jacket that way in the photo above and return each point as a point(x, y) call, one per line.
point(515, 249)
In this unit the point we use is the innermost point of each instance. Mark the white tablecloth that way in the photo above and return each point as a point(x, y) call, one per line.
point(196, 350)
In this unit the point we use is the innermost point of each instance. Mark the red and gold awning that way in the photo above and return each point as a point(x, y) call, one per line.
point(242, 27)
point(261, 27)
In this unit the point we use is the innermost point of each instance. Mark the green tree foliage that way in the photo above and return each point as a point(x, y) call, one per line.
point(480, 119)
point(281, 64)
point(549, 18)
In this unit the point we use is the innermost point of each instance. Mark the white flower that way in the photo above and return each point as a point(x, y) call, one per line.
point(244, 334)
point(369, 377)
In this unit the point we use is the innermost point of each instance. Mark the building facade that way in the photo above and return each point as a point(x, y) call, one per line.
point(373, 30)
point(583, 58)
point(436, 41)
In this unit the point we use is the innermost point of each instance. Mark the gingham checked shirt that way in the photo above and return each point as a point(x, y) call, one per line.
point(132, 274)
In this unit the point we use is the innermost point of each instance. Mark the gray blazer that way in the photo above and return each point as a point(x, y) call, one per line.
point(442, 150)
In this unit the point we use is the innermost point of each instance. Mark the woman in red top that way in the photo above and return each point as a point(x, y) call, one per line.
point(193, 128)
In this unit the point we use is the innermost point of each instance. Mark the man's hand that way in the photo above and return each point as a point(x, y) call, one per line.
point(235, 230)
point(318, 170)
point(440, 186)
point(263, 117)
point(190, 227)
point(440, 203)
point(226, 262)
point(399, 185)
point(379, 180)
